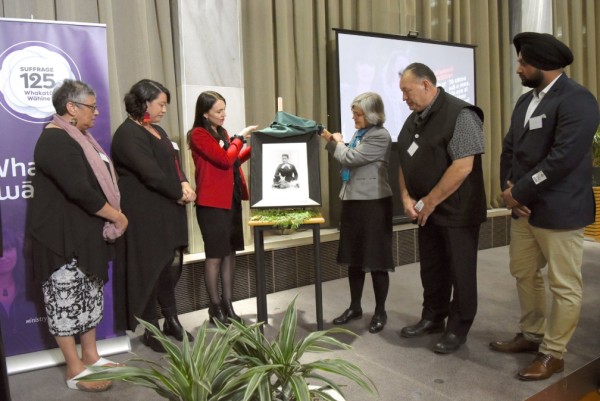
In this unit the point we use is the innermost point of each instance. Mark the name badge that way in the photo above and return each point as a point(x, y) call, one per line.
point(539, 177)
point(419, 205)
point(412, 148)
point(175, 146)
point(536, 122)
point(104, 157)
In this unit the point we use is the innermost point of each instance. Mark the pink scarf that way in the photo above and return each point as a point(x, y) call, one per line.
point(106, 179)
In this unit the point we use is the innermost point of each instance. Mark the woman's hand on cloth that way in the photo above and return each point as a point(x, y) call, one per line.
point(326, 134)
point(246, 132)
point(335, 137)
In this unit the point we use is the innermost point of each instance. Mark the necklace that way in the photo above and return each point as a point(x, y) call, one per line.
point(147, 127)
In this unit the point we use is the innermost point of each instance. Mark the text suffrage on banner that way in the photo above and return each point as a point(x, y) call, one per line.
point(35, 57)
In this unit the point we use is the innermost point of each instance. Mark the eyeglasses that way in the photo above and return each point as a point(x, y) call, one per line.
point(92, 107)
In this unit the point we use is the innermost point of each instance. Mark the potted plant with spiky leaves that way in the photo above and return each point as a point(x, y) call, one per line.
point(277, 369)
point(238, 363)
point(596, 158)
point(593, 230)
point(199, 372)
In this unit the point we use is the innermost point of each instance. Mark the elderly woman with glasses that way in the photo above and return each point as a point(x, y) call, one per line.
point(75, 217)
point(366, 220)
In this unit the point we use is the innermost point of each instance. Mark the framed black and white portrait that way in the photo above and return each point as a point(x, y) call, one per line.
point(284, 171)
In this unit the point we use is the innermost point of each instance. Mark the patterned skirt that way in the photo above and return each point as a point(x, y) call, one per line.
point(74, 301)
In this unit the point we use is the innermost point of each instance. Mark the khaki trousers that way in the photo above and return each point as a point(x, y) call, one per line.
point(532, 248)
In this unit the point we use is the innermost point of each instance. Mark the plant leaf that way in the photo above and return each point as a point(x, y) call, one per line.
point(238, 363)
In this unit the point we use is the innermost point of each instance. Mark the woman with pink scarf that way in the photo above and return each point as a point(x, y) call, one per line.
point(75, 217)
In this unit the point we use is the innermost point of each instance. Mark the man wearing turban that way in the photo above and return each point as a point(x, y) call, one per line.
point(546, 176)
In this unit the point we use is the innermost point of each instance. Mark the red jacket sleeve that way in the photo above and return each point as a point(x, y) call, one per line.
point(203, 143)
point(244, 154)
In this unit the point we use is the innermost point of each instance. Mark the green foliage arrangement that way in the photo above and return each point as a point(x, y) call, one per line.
point(284, 218)
point(202, 372)
point(596, 148)
point(238, 363)
point(287, 378)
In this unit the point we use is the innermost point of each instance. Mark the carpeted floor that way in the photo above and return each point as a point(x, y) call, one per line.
point(403, 369)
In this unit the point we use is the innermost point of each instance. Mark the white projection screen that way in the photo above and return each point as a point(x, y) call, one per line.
point(371, 62)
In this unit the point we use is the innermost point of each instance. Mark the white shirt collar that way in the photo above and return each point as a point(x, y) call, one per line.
point(544, 91)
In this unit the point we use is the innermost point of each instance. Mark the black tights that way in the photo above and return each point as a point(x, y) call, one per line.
point(381, 285)
point(164, 294)
point(215, 267)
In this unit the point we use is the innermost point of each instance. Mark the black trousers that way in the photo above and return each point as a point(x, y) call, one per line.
point(449, 275)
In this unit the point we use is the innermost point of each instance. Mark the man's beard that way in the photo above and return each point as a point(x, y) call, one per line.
point(535, 81)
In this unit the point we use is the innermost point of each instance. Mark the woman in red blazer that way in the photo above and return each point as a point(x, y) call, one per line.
point(220, 187)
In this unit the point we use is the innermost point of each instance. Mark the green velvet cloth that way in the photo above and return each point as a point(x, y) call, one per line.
point(286, 124)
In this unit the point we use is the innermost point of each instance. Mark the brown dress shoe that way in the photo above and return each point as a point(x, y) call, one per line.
point(542, 367)
point(517, 344)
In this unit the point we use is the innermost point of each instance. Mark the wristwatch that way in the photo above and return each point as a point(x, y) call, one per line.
point(240, 137)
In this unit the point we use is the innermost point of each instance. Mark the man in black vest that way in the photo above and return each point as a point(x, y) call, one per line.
point(441, 184)
point(546, 176)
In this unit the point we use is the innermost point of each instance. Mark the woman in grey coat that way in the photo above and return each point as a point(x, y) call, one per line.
point(366, 219)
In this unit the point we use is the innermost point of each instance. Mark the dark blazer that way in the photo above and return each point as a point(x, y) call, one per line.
point(368, 165)
point(551, 166)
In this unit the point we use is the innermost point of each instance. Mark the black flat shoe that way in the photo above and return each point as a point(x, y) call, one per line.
point(377, 323)
point(150, 341)
point(423, 327)
point(348, 315)
point(172, 327)
point(449, 343)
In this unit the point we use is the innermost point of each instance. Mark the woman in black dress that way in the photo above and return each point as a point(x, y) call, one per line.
point(154, 193)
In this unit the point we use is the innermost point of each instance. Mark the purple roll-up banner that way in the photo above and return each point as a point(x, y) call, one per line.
point(36, 56)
